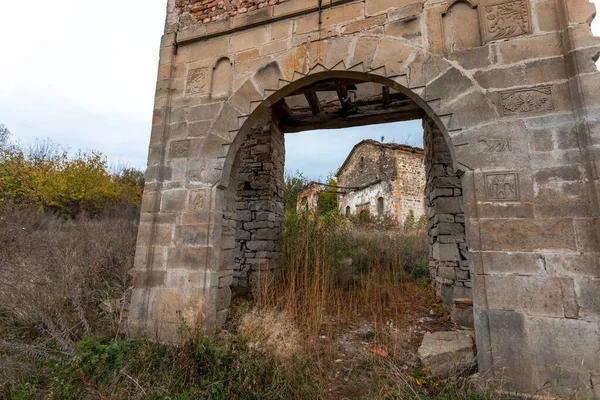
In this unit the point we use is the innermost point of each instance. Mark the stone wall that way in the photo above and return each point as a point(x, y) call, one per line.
point(409, 187)
point(205, 11)
point(389, 171)
point(448, 252)
point(513, 87)
point(259, 203)
point(308, 198)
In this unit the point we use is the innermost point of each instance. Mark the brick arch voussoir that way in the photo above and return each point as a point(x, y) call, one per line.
point(424, 78)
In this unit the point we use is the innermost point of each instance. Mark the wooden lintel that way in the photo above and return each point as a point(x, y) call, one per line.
point(385, 91)
point(404, 110)
point(313, 102)
point(345, 100)
point(327, 86)
point(282, 109)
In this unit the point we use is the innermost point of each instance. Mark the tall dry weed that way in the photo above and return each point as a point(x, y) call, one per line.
point(335, 277)
point(55, 274)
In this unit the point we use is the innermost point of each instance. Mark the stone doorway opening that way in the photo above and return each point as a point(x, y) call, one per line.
point(254, 175)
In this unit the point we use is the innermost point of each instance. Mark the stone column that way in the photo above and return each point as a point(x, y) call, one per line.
point(259, 202)
point(448, 254)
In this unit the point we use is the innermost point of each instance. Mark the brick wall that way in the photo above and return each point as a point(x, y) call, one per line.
point(215, 10)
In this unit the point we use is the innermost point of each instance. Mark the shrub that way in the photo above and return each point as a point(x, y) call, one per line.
point(63, 184)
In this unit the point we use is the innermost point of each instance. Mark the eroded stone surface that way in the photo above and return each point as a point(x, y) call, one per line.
point(447, 354)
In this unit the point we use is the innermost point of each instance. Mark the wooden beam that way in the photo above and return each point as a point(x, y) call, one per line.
point(282, 109)
point(313, 102)
point(385, 91)
point(345, 100)
point(327, 86)
point(403, 110)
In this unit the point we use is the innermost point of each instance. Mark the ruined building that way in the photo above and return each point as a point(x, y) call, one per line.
point(308, 199)
point(510, 97)
point(383, 180)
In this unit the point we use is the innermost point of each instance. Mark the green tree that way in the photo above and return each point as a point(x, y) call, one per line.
point(4, 136)
point(328, 200)
point(48, 178)
point(422, 222)
point(292, 186)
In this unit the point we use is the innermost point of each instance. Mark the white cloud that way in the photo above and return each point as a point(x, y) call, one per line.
point(83, 74)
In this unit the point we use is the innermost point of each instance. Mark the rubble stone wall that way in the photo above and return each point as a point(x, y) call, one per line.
point(259, 204)
point(448, 252)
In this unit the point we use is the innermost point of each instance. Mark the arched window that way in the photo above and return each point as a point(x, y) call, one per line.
point(380, 206)
point(347, 211)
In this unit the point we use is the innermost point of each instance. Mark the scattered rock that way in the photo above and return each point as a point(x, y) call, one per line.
point(447, 353)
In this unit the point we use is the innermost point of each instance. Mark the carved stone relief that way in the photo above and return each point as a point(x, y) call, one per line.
point(502, 186)
point(198, 201)
point(496, 145)
point(179, 149)
point(505, 20)
point(197, 81)
point(524, 101)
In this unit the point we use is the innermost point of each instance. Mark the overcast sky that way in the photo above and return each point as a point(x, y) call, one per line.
point(83, 74)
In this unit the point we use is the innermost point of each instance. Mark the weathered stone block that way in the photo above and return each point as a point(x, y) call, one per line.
point(527, 234)
point(446, 252)
point(510, 350)
point(173, 200)
point(537, 295)
point(447, 353)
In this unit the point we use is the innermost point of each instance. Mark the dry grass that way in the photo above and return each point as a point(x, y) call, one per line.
point(54, 274)
point(361, 291)
point(335, 278)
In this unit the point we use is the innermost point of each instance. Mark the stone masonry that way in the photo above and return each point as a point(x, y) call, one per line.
point(511, 88)
point(448, 252)
point(384, 179)
point(307, 201)
point(259, 204)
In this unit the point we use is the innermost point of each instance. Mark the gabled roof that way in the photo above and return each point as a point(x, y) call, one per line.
point(370, 142)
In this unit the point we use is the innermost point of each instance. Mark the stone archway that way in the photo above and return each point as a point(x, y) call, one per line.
point(517, 105)
point(253, 187)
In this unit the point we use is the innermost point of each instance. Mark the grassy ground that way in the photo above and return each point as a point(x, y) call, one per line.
point(342, 319)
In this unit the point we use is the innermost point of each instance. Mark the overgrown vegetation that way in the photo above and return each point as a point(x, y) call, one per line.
point(339, 321)
point(45, 177)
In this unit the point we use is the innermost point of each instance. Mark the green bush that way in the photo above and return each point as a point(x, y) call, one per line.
point(63, 184)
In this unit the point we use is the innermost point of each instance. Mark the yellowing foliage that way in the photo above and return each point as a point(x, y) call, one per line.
point(68, 185)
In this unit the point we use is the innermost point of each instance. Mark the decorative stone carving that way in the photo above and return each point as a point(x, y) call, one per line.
point(179, 149)
point(505, 20)
point(197, 81)
point(496, 145)
point(198, 201)
point(502, 186)
point(524, 101)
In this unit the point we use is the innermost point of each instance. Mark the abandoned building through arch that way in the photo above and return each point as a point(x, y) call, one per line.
point(508, 91)
point(385, 180)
